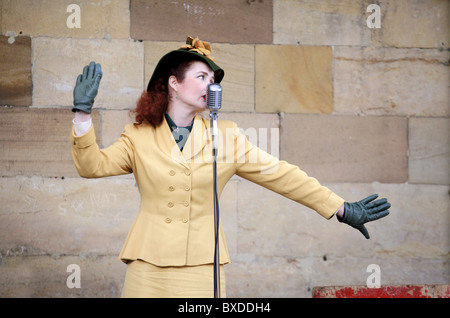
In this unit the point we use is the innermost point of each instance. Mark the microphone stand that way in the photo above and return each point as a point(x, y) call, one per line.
point(214, 132)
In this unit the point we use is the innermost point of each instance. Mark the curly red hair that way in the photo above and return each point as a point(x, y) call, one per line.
point(152, 105)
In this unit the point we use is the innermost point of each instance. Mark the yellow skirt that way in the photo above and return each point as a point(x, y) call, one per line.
point(143, 279)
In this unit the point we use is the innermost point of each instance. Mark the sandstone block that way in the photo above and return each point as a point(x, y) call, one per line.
point(238, 85)
point(384, 81)
point(37, 142)
point(261, 130)
point(260, 277)
point(232, 21)
point(423, 24)
point(293, 79)
point(98, 19)
point(15, 71)
point(429, 150)
point(113, 123)
point(48, 216)
point(57, 63)
point(321, 22)
point(46, 276)
point(345, 148)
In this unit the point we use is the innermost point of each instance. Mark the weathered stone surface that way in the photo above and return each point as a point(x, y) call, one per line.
point(15, 71)
point(66, 217)
point(408, 82)
point(58, 62)
point(232, 21)
point(260, 277)
point(37, 142)
point(405, 23)
point(346, 148)
point(46, 276)
point(113, 123)
point(293, 79)
point(238, 85)
point(98, 19)
point(321, 22)
point(429, 150)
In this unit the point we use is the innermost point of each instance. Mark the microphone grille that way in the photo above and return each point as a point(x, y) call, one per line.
point(214, 96)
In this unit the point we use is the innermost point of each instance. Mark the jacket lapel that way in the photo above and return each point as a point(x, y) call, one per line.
point(198, 139)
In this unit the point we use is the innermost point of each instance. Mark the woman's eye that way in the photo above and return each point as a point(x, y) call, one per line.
point(202, 77)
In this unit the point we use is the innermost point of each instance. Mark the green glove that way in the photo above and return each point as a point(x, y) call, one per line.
point(358, 213)
point(86, 87)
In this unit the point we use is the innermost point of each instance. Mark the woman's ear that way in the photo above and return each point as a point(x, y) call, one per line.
point(173, 83)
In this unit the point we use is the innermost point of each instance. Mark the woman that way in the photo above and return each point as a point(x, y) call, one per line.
point(169, 248)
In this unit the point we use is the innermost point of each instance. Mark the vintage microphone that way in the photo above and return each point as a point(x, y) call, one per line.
point(214, 103)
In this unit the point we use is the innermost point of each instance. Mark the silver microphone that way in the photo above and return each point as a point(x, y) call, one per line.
point(214, 103)
point(214, 96)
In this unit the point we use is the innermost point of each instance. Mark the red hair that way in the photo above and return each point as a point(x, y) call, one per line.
point(152, 105)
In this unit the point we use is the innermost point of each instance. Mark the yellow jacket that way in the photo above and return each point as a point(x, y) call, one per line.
point(174, 226)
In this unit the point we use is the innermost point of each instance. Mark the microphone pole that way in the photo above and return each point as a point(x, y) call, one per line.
point(214, 103)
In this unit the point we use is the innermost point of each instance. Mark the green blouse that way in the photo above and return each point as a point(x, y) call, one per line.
point(181, 134)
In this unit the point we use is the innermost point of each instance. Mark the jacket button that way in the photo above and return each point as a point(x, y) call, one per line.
point(185, 220)
point(187, 172)
point(171, 188)
point(172, 172)
point(170, 204)
point(186, 203)
point(168, 220)
point(187, 188)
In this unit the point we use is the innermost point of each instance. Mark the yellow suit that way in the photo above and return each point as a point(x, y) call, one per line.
point(174, 226)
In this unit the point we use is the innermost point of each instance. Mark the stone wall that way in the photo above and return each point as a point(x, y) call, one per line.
point(363, 109)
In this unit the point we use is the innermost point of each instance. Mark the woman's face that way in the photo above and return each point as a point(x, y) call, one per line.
point(192, 90)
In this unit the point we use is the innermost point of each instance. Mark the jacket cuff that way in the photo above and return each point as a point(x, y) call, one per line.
point(84, 140)
point(330, 206)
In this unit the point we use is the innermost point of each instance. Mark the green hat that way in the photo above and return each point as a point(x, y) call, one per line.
point(195, 50)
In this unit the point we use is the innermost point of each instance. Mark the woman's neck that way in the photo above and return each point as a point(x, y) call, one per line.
point(181, 117)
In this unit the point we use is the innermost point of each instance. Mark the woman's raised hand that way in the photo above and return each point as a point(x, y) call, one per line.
point(86, 88)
